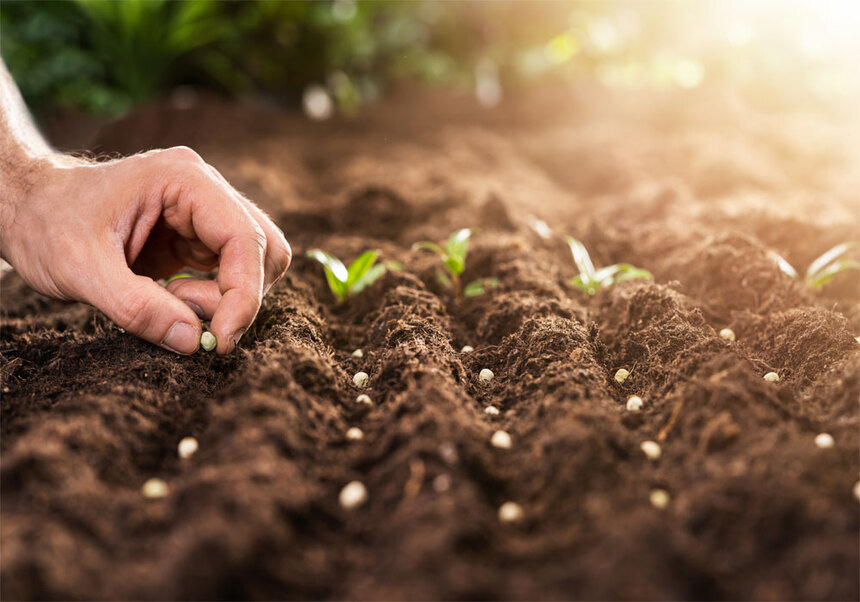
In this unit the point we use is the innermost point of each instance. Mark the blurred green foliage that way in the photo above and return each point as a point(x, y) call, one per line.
point(108, 55)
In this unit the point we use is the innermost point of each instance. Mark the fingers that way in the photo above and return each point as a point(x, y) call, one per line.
point(203, 296)
point(142, 307)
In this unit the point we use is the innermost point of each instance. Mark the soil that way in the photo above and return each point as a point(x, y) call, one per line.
point(694, 188)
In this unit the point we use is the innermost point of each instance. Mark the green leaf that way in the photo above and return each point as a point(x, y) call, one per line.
point(394, 266)
point(369, 277)
point(454, 265)
point(782, 264)
point(631, 272)
point(429, 246)
point(826, 258)
point(582, 260)
point(358, 268)
point(458, 244)
point(578, 283)
point(335, 272)
point(825, 275)
point(480, 286)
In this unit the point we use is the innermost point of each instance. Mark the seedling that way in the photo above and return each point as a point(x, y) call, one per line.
point(453, 258)
point(346, 282)
point(824, 268)
point(590, 280)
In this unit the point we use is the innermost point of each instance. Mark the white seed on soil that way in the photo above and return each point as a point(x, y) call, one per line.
point(857, 490)
point(365, 399)
point(771, 377)
point(353, 495)
point(824, 440)
point(486, 375)
point(651, 449)
point(727, 334)
point(491, 411)
point(354, 434)
point(621, 375)
point(634, 404)
point(154, 488)
point(448, 452)
point(360, 379)
point(510, 512)
point(857, 339)
point(187, 447)
point(442, 483)
point(467, 349)
point(501, 440)
point(208, 341)
point(659, 498)
point(358, 353)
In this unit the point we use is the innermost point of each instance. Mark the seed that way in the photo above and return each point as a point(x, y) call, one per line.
point(486, 375)
point(857, 490)
point(467, 349)
point(501, 440)
point(510, 512)
point(727, 334)
point(442, 483)
point(208, 341)
point(651, 449)
point(365, 399)
point(354, 434)
point(187, 447)
point(360, 379)
point(154, 488)
point(491, 411)
point(634, 404)
point(621, 375)
point(358, 353)
point(353, 495)
point(824, 440)
point(772, 377)
point(659, 498)
point(448, 452)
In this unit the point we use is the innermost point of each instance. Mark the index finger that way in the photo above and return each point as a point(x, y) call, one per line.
point(198, 205)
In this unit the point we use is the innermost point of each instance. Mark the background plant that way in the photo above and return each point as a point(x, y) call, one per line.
point(346, 282)
point(824, 267)
point(590, 280)
point(453, 257)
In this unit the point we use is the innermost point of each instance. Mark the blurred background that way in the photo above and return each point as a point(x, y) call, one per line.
point(332, 57)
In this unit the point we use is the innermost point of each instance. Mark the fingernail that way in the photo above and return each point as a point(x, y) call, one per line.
point(182, 338)
point(196, 308)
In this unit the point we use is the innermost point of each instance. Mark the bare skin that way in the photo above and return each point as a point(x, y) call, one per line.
point(102, 233)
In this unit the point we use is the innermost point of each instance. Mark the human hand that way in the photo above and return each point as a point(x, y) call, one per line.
point(102, 232)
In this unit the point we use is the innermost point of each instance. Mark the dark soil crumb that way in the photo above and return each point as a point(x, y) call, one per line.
point(756, 510)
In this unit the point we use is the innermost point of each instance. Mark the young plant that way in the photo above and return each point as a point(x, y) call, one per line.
point(344, 281)
point(823, 269)
point(453, 258)
point(590, 280)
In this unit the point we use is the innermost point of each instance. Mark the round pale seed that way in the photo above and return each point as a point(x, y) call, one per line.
point(187, 447)
point(354, 434)
point(501, 440)
point(358, 353)
point(824, 440)
point(360, 379)
point(486, 375)
point(467, 349)
point(208, 341)
point(353, 495)
point(154, 489)
point(621, 375)
point(659, 498)
point(491, 411)
point(727, 334)
point(510, 512)
point(365, 399)
point(634, 404)
point(772, 377)
point(651, 449)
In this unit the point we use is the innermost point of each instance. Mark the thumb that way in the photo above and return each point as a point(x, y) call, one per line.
point(142, 307)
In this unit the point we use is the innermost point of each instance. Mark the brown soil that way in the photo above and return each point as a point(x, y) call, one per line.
point(696, 193)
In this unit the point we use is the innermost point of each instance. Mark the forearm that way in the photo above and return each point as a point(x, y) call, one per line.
point(24, 155)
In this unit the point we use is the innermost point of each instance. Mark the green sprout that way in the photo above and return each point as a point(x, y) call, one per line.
point(453, 258)
point(590, 280)
point(823, 269)
point(345, 282)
